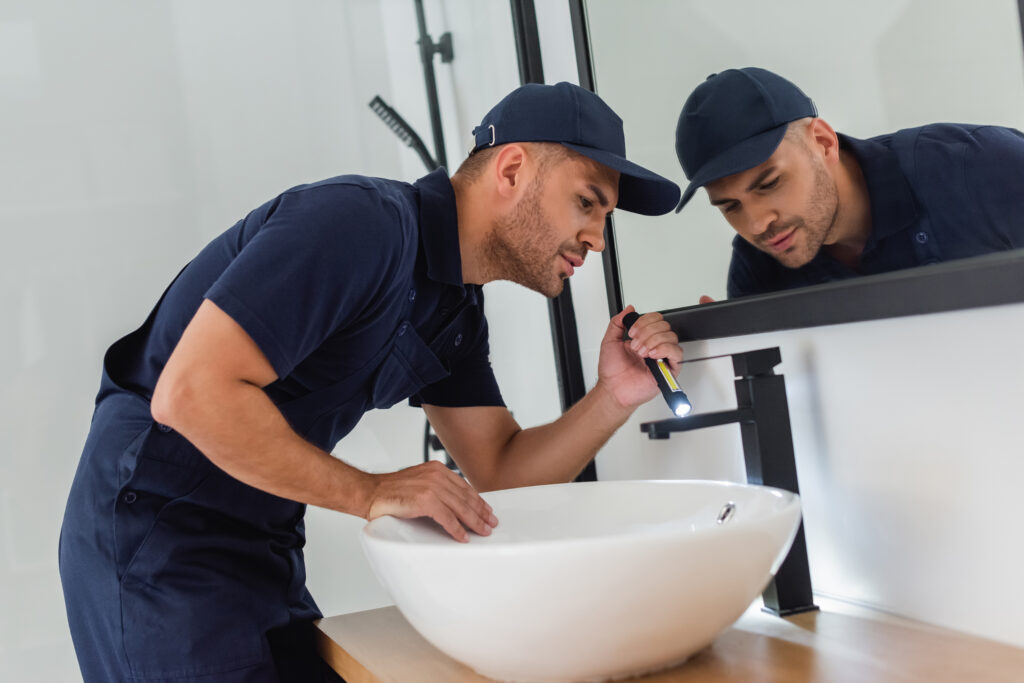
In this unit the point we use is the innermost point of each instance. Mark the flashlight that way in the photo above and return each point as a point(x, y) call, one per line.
point(674, 396)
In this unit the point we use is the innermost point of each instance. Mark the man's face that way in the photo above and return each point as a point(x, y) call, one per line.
point(786, 207)
point(560, 217)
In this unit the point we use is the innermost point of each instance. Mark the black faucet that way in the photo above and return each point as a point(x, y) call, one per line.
point(763, 415)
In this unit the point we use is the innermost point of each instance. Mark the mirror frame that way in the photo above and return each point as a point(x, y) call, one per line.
point(989, 280)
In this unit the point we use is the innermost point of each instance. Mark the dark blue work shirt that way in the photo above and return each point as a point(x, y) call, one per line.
point(352, 288)
point(938, 193)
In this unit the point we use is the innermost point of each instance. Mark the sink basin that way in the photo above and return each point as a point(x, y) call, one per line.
point(587, 581)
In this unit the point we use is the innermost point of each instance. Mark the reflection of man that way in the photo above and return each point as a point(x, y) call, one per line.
point(181, 549)
point(811, 205)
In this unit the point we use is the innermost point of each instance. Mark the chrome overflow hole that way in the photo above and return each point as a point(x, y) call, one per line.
point(726, 513)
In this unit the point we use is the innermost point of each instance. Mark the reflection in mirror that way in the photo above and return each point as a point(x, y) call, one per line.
point(872, 69)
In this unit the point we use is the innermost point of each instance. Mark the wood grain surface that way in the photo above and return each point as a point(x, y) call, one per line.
point(379, 646)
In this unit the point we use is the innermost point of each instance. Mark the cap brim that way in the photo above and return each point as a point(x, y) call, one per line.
point(640, 191)
point(747, 154)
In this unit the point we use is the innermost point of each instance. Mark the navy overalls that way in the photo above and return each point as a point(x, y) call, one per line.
point(174, 571)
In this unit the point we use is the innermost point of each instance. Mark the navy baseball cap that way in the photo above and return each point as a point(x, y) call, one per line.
point(580, 120)
point(733, 121)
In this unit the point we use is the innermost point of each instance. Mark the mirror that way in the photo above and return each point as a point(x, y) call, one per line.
point(872, 67)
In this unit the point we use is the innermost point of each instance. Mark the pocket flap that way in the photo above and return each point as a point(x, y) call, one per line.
point(408, 367)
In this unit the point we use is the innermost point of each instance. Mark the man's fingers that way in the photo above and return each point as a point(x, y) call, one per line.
point(652, 337)
point(651, 341)
point(705, 299)
point(432, 490)
point(615, 328)
point(450, 523)
point(473, 512)
point(461, 488)
point(455, 495)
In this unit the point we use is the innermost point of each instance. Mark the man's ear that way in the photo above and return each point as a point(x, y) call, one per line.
point(509, 170)
point(824, 139)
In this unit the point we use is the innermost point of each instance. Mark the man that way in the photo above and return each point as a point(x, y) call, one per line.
point(810, 205)
point(181, 550)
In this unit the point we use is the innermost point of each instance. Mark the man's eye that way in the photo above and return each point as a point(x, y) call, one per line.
point(586, 203)
point(730, 207)
point(769, 185)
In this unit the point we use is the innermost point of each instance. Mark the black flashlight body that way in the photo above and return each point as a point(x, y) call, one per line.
point(675, 397)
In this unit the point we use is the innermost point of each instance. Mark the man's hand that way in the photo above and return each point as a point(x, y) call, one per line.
point(705, 299)
point(621, 365)
point(432, 490)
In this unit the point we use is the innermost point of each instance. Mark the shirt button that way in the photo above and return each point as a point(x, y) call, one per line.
point(921, 237)
point(402, 329)
point(129, 497)
point(163, 428)
point(444, 311)
point(412, 295)
point(458, 339)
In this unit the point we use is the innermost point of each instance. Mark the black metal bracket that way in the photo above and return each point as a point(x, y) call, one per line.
point(442, 47)
point(762, 413)
point(428, 48)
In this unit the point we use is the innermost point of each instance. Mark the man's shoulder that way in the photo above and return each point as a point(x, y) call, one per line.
point(942, 138)
point(358, 192)
point(353, 206)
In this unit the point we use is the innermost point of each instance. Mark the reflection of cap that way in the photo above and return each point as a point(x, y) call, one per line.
point(581, 121)
point(734, 121)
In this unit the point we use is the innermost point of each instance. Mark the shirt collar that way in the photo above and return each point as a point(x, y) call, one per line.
point(439, 228)
point(892, 202)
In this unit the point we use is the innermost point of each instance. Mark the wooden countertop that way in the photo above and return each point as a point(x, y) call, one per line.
point(379, 646)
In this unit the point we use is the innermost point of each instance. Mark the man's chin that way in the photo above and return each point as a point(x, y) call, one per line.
point(549, 289)
point(793, 263)
point(554, 291)
point(793, 258)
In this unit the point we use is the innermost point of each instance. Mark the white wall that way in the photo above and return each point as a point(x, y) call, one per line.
point(907, 438)
point(131, 134)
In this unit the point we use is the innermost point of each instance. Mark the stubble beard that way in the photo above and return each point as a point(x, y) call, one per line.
point(812, 231)
point(516, 248)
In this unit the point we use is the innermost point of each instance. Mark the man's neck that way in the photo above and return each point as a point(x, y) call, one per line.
point(471, 220)
point(853, 220)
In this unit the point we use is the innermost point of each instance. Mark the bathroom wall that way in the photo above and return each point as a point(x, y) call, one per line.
point(907, 437)
point(131, 134)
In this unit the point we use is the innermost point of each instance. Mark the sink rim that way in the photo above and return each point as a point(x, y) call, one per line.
point(487, 544)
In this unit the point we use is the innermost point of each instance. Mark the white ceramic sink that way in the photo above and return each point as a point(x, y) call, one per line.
point(587, 581)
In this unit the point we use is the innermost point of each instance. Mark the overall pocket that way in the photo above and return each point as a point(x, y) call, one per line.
point(409, 366)
point(184, 610)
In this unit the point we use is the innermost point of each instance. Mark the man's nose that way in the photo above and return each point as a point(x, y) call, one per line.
point(593, 237)
point(760, 219)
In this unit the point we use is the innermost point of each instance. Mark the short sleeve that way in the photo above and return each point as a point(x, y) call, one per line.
point(319, 258)
point(994, 172)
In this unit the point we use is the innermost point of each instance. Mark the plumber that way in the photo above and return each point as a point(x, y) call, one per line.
point(811, 205)
point(181, 548)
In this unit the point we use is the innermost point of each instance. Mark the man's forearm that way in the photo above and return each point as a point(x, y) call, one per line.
point(243, 433)
point(558, 451)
